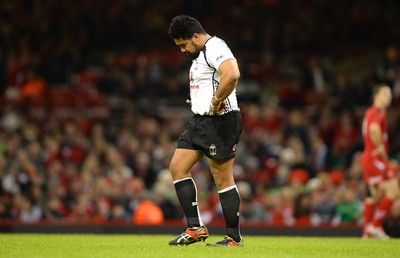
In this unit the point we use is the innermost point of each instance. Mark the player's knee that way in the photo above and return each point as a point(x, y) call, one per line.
point(173, 168)
point(218, 180)
point(392, 189)
point(223, 181)
point(177, 172)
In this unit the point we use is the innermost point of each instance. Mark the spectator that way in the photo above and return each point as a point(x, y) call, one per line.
point(5, 212)
point(28, 211)
point(148, 213)
point(316, 81)
point(345, 134)
point(342, 96)
point(250, 210)
point(387, 69)
point(302, 209)
point(349, 209)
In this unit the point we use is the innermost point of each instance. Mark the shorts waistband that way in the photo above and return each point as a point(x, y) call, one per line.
point(230, 112)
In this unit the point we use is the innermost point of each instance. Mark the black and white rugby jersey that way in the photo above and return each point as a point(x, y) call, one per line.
point(204, 77)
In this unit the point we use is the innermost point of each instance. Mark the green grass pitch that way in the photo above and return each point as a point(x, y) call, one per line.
point(146, 246)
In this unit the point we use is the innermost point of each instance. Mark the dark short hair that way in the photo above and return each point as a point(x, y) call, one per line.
point(184, 26)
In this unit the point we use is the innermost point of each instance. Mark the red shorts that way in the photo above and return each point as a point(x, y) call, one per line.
point(376, 170)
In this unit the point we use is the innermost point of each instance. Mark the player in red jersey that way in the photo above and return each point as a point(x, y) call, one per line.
point(379, 173)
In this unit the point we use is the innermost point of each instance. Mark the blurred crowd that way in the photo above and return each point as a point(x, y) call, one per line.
point(93, 100)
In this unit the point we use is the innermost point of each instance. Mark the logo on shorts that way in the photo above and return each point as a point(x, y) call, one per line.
point(234, 147)
point(213, 150)
point(233, 152)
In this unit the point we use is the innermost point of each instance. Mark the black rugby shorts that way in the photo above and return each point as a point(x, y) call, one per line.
point(214, 136)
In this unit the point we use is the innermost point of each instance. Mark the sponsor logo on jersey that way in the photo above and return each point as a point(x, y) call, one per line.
point(191, 77)
point(219, 57)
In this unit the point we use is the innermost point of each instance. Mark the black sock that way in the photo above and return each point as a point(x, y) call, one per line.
point(230, 202)
point(186, 192)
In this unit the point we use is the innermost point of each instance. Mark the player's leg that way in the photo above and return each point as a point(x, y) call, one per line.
point(391, 190)
point(369, 210)
point(222, 171)
point(372, 177)
point(370, 204)
point(182, 161)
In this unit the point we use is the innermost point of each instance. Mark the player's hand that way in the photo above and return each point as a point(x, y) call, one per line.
point(381, 151)
point(188, 101)
point(392, 169)
point(217, 107)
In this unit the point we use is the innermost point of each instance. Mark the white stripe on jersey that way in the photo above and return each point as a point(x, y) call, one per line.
point(204, 77)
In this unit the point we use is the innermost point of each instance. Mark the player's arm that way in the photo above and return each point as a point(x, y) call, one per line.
point(375, 133)
point(229, 77)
